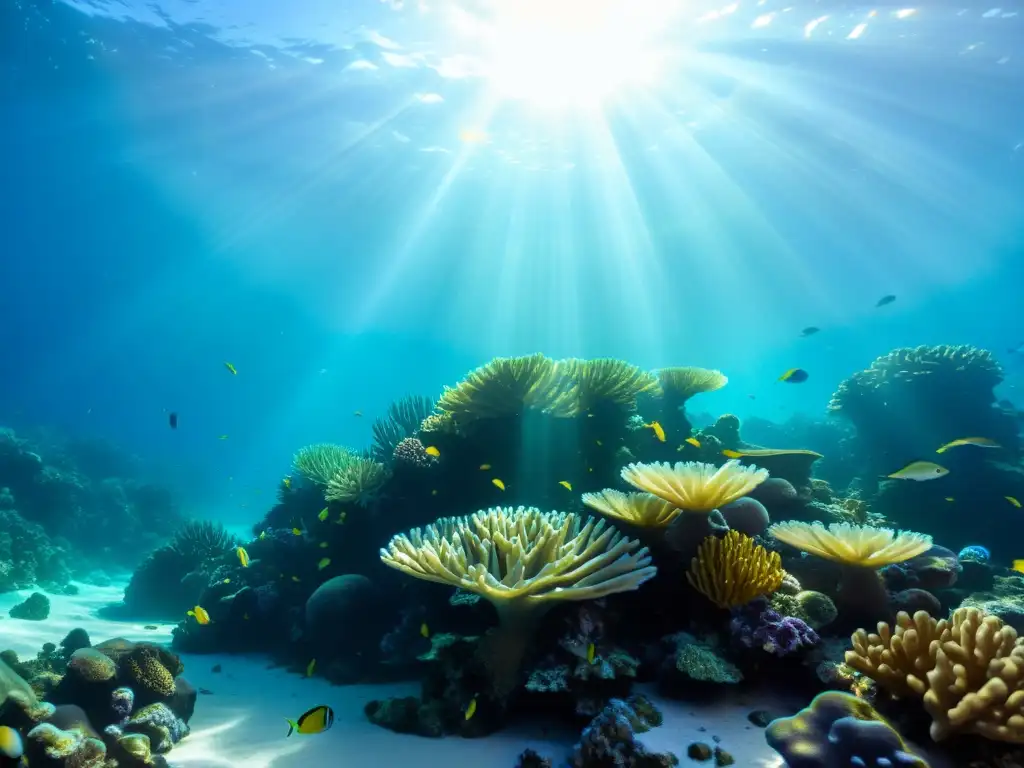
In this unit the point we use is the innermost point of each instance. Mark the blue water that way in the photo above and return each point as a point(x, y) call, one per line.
point(186, 184)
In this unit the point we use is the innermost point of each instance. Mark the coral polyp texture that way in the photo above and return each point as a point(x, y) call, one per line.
point(733, 570)
point(968, 670)
point(681, 383)
point(640, 509)
point(861, 545)
point(694, 486)
point(360, 481)
point(320, 462)
point(608, 381)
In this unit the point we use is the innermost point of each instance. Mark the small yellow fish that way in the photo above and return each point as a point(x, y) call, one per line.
point(432, 450)
point(498, 484)
point(316, 720)
point(243, 556)
point(223, 437)
point(980, 442)
point(263, 535)
point(424, 630)
point(599, 442)
point(287, 482)
point(323, 545)
point(692, 441)
point(434, 492)
point(950, 498)
point(324, 562)
point(226, 581)
point(920, 470)
point(200, 615)
point(484, 467)
point(296, 532)
point(471, 709)
point(310, 667)
point(323, 514)
point(357, 413)
point(794, 376)
point(1018, 566)
point(296, 579)
point(731, 454)
point(565, 484)
point(1013, 501)
point(591, 653)
point(659, 431)
point(230, 367)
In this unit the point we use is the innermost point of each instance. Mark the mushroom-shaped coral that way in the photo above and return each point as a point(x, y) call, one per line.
point(681, 383)
point(694, 486)
point(320, 462)
point(523, 561)
point(838, 729)
point(360, 481)
point(643, 510)
point(968, 670)
point(734, 569)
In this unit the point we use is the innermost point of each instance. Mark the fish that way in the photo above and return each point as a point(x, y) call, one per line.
point(315, 720)
point(794, 376)
point(324, 562)
point(591, 653)
point(323, 514)
point(599, 442)
point(950, 498)
point(342, 516)
point(432, 450)
point(659, 431)
point(1013, 501)
point(231, 368)
point(484, 467)
point(471, 709)
point(296, 532)
point(200, 615)
point(565, 484)
point(323, 545)
point(243, 556)
point(731, 454)
point(172, 420)
point(263, 535)
point(358, 414)
point(809, 331)
point(434, 492)
point(11, 744)
point(887, 299)
point(424, 630)
point(980, 442)
point(287, 482)
point(692, 441)
point(1018, 566)
point(222, 437)
point(919, 470)
point(498, 484)
point(296, 579)
point(151, 627)
point(226, 581)
point(310, 667)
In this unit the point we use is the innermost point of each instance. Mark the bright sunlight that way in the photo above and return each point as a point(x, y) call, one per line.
point(566, 53)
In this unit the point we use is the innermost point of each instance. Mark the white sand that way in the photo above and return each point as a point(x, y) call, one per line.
point(242, 723)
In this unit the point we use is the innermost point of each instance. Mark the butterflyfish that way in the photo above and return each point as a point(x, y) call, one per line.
point(200, 615)
point(981, 442)
point(659, 431)
point(498, 484)
point(243, 556)
point(794, 376)
point(432, 450)
point(231, 368)
point(316, 720)
point(920, 470)
point(565, 484)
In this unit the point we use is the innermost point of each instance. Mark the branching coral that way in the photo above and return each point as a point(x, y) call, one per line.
point(360, 482)
point(608, 381)
point(680, 384)
point(860, 545)
point(320, 462)
point(734, 569)
point(402, 421)
point(968, 670)
point(694, 486)
point(640, 509)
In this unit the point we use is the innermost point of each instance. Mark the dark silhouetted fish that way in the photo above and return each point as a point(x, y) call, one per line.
point(809, 331)
point(172, 419)
point(885, 300)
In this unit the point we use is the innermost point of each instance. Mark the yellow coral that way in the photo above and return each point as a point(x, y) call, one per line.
point(968, 670)
point(438, 422)
point(694, 486)
point(860, 545)
point(360, 482)
point(640, 509)
point(734, 569)
point(680, 384)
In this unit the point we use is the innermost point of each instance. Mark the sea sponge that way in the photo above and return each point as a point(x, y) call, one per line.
point(860, 545)
point(968, 670)
point(640, 509)
point(320, 462)
point(694, 486)
point(360, 481)
point(608, 381)
point(734, 569)
point(681, 383)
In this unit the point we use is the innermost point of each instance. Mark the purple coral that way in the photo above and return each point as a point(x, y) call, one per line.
point(412, 452)
point(757, 625)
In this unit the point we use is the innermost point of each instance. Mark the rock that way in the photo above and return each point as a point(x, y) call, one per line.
point(723, 758)
point(338, 617)
point(699, 751)
point(759, 717)
point(35, 608)
point(183, 702)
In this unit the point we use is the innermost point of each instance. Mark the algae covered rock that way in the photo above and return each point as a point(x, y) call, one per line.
point(47, 746)
point(35, 608)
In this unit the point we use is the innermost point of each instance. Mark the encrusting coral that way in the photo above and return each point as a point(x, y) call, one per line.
point(968, 670)
point(693, 486)
point(733, 570)
point(643, 510)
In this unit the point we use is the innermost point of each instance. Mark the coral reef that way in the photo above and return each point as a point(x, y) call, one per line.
point(610, 739)
point(733, 570)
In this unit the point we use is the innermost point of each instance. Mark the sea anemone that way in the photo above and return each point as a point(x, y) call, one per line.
point(360, 482)
point(320, 462)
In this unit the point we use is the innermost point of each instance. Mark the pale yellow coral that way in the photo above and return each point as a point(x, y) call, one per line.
point(320, 462)
point(681, 383)
point(860, 545)
point(640, 509)
point(734, 569)
point(694, 486)
point(360, 481)
point(608, 380)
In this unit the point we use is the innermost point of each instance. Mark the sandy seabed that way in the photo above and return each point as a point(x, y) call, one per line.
point(241, 722)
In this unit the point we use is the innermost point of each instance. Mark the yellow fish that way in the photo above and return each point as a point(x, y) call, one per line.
point(200, 615)
point(731, 454)
point(324, 562)
point(223, 437)
point(920, 470)
point(296, 532)
point(296, 579)
point(591, 653)
point(484, 467)
point(659, 431)
point(323, 545)
point(981, 442)
point(1013, 501)
point(263, 535)
point(226, 581)
point(498, 484)
point(310, 667)
point(243, 556)
point(565, 484)
point(424, 630)
point(323, 514)
point(1018, 566)
point(692, 441)
point(432, 450)
point(316, 720)
point(11, 746)
point(950, 498)
point(230, 367)
point(471, 709)
point(287, 482)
